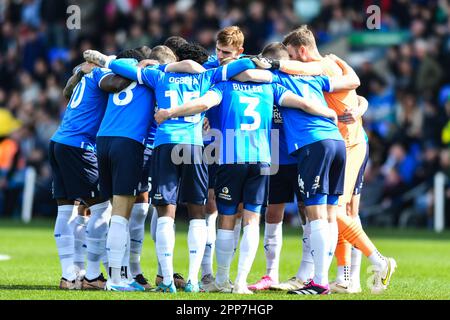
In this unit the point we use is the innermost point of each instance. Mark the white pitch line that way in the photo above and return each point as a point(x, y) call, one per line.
point(4, 257)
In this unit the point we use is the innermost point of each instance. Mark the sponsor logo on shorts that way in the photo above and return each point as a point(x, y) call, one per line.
point(224, 194)
point(158, 196)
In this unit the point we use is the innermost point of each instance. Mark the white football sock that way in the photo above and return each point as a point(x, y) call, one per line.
point(224, 254)
point(79, 234)
point(153, 225)
point(343, 275)
point(247, 251)
point(306, 269)
point(125, 270)
point(333, 229)
point(207, 261)
point(377, 260)
point(116, 245)
point(105, 259)
point(237, 234)
point(64, 238)
point(96, 233)
point(165, 242)
point(196, 243)
point(137, 231)
point(320, 245)
point(355, 269)
point(273, 241)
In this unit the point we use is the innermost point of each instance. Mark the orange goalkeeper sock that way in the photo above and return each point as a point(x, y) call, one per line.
point(343, 257)
point(354, 234)
point(343, 251)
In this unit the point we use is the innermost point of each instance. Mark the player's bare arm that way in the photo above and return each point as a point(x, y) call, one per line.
point(295, 67)
point(363, 105)
point(254, 75)
point(114, 83)
point(185, 66)
point(349, 79)
point(148, 63)
point(291, 100)
point(79, 72)
point(205, 102)
point(98, 58)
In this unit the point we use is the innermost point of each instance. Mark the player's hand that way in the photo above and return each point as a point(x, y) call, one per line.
point(96, 57)
point(265, 63)
point(350, 116)
point(148, 62)
point(162, 115)
point(87, 67)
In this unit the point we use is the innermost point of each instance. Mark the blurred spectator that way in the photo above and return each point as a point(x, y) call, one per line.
point(409, 119)
point(429, 73)
point(407, 85)
point(11, 163)
point(339, 24)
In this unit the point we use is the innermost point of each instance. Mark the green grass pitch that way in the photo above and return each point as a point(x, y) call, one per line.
point(33, 270)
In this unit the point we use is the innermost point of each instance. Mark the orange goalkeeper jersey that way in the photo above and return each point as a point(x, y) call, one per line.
point(339, 101)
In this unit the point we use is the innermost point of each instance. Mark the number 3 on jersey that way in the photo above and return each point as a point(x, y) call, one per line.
point(125, 96)
point(250, 111)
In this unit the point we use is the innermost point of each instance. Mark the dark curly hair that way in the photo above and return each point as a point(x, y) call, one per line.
point(131, 53)
point(146, 51)
point(174, 42)
point(192, 51)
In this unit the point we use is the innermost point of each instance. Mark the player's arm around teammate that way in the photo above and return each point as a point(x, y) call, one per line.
point(78, 74)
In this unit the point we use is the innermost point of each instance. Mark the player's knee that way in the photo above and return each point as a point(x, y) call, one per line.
point(211, 205)
point(251, 214)
point(274, 213)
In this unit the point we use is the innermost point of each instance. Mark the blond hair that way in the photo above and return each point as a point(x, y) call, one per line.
point(301, 36)
point(231, 36)
point(163, 54)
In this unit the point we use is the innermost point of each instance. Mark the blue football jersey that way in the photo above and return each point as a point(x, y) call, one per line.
point(213, 62)
point(129, 113)
point(246, 112)
point(302, 128)
point(151, 135)
point(281, 144)
point(213, 113)
point(213, 116)
point(173, 89)
point(84, 112)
